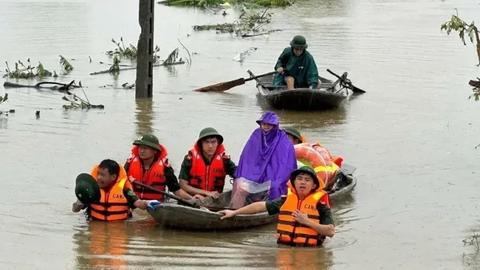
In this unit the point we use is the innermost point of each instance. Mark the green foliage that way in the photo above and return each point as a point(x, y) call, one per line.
point(26, 71)
point(115, 68)
point(265, 3)
point(42, 72)
point(460, 26)
point(4, 98)
point(248, 23)
point(212, 3)
point(66, 66)
point(122, 51)
point(193, 3)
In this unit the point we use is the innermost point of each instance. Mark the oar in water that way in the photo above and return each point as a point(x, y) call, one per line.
point(223, 86)
point(347, 83)
point(168, 194)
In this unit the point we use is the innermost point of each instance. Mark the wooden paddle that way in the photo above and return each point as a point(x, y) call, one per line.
point(348, 83)
point(223, 86)
point(168, 194)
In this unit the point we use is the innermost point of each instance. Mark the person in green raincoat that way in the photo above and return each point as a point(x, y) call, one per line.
point(296, 67)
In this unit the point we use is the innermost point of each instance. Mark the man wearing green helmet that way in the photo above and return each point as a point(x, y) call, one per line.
point(296, 67)
point(206, 165)
point(304, 215)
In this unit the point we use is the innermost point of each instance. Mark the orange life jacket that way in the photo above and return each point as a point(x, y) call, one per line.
point(319, 158)
point(112, 205)
point(154, 176)
point(293, 233)
point(207, 177)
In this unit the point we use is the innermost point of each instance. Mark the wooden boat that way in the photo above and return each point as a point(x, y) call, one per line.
point(178, 216)
point(327, 95)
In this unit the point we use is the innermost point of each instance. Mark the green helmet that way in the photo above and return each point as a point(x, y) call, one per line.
point(148, 140)
point(294, 132)
point(86, 189)
point(299, 42)
point(209, 132)
point(304, 169)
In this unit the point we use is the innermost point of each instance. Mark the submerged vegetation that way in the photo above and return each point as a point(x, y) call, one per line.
point(66, 66)
point(476, 89)
point(250, 23)
point(463, 28)
point(29, 71)
point(122, 51)
point(128, 52)
point(172, 59)
point(212, 3)
point(26, 71)
point(4, 98)
point(76, 102)
point(460, 26)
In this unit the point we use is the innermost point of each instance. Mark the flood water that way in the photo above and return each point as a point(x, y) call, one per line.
point(412, 137)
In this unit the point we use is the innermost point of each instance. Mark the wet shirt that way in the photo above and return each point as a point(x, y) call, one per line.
point(273, 208)
point(228, 164)
point(302, 68)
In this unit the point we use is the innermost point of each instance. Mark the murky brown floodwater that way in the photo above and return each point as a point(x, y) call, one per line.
point(412, 136)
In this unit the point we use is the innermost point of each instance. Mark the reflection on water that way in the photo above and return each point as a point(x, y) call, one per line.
point(103, 245)
point(144, 116)
point(314, 120)
point(304, 258)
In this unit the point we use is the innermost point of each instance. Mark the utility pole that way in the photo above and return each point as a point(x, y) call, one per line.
point(144, 81)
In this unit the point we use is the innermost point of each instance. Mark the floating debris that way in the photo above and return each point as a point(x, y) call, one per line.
point(37, 114)
point(44, 85)
point(241, 56)
point(248, 24)
point(77, 102)
point(192, 3)
point(171, 60)
point(128, 86)
point(4, 98)
point(67, 67)
point(214, 3)
point(476, 89)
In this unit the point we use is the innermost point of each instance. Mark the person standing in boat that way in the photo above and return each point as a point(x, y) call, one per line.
point(206, 165)
point(106, 193)
point(296, 67)
point(266, 161)
point(304, 219)
point(148, 164)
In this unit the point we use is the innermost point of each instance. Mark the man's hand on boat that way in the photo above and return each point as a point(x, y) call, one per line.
point(213, 194)
point(146, 205)
point(196, 200)
point(227, 213)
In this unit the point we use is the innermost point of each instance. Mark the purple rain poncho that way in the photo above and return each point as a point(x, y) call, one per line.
point(268, 156)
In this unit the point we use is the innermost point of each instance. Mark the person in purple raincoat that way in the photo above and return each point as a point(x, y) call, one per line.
point(268, 155)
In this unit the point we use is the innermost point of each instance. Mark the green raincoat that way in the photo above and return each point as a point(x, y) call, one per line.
point(302, 68)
